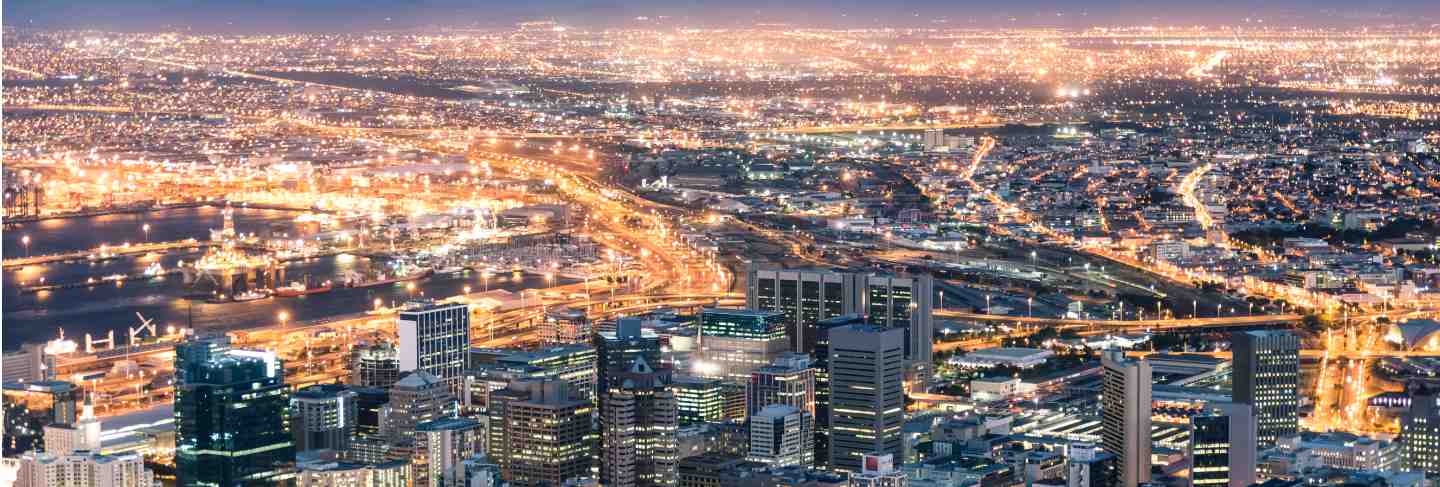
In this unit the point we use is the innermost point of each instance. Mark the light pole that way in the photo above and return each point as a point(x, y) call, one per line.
point(284, 316)
point(25, 240)
point(1194, 308)
point(146, 229)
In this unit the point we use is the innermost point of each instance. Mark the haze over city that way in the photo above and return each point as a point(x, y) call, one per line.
point(643, 243)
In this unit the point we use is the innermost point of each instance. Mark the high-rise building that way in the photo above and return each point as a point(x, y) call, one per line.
point(638, 429)
point(616, 351)
point(82, 469)
point(369, 445)
point(734, 342)
point(30, 407)
point(805, 297)
point(29, 364)
point(394, 473)
point(82, 435)
point(1125, 415)
point(698, 400)
point(1267, 377)
point(1088, 466)
point(323, 417)
point(539, 433)
point(232, 422)
point(441, 448)
point(780, 436)
point(1420, 429)
point(821, 365)
point(564, 326)
point(867, 403)
point(1222, 446)
point(375, 365)
point(933, 139)
point(417, 398)
point(879, 471)
point(905, 303)
point(435, 338)
point(574, 363)
point(789, 380)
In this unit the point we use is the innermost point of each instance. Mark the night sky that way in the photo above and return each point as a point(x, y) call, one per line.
point(341, 15)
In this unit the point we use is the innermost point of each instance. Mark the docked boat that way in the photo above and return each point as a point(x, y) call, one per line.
point(388, 280)
point(296, 289)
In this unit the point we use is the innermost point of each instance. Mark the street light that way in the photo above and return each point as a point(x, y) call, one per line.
point(146, 228)
point(25, 240)
point(284, 316)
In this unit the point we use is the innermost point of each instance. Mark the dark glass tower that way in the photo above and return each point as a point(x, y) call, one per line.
point(232, 421)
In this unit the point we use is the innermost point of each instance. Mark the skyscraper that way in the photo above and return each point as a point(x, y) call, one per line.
point(905, 303)
point(638, 429)
point(30, 406)
point(416, 398)
point(698, 400)
point(369, 445)
point(821, 366)
point(867, 403)
point(734, 342)
point(614, 352)
point(232, 420)
point(83, 434)
point(1420, 429)
point(1267, 377)
point(788, 380)
point(564, 326)
point(1125, 415)
point(1222, 446)
point(375, 365)
point(441, 448)
point(323, 417)
point(82, 468)
point(435, 338)
point(805, 297)
point(539, 433)
point(780, 436)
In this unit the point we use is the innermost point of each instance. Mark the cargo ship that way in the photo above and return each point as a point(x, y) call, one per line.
point(357, 282)
point(296, 289)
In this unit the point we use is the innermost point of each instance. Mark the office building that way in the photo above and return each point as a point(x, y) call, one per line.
point(232, 422)
point(789, 380)
point(805, 297)
point(82, 435)
point(573, 363)
point(1222, 446)
point(539, 433)
point(698, 400)
point(905, 303)
point(441, 448)
point(29, 364)
point(879, 471)
point(1088, 466)
point(30, 407)
point(395, 473)
point(867, 403)
point(734, 342)
point(1267, 377)
point(780, 436)
point(417, 398)
point(81, 469)
point(565, 326)
point(435, 338)
point(1420, 429)
point(323, 417)
point(375, 365)
point(616, 351)
point(369, 445)
point(821, 366)
point(1125, 415)
point(638, 429)
point(479, 472)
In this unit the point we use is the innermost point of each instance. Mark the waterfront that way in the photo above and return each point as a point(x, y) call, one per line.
point(34, 317)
